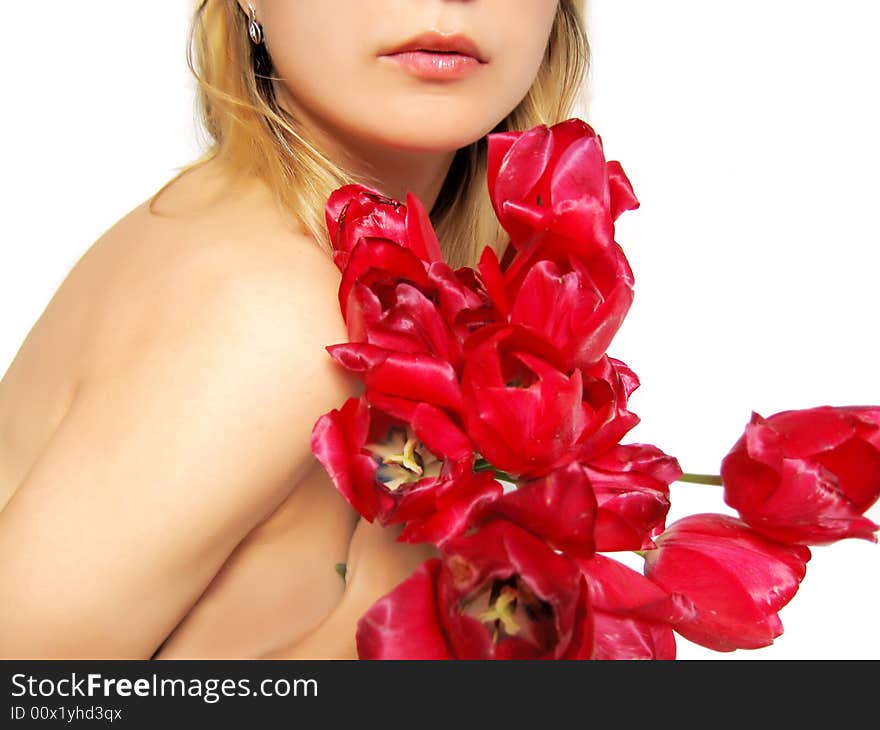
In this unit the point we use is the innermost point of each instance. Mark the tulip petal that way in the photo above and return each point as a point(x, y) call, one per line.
point(579, 173)
point(522, 166)
point(418, 377)
point(627, 639)
point(337, 440)
point(632, 614)
point(420, 233)
point(622, 195)
point(856, 465)
point(493, 280)
point(560, 508)
point(440, 433)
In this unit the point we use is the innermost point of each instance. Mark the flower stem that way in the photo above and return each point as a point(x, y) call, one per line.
point(714, 479)
point(506, 477)
point(483, 465)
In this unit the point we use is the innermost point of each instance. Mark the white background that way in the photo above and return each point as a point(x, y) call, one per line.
point(748, 130)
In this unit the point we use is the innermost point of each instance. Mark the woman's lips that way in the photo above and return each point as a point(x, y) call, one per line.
point(435, 64)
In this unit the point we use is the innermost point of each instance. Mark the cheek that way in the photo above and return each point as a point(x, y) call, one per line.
point(525, 30)
point(316, 44)
point(321, 63)
point(319, 75)
point(520, 33)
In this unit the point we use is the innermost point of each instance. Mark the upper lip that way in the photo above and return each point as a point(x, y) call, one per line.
point(434, 41)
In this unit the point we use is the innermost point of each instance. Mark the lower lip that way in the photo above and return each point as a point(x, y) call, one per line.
point(440, 66)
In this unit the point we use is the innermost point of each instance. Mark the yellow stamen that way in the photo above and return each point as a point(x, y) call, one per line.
point(401, 461)
point(406, 458)
point(502, 610)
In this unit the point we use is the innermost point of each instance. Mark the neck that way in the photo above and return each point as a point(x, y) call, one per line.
point(392, 171)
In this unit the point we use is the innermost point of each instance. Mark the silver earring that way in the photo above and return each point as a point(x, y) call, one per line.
point(255, 30)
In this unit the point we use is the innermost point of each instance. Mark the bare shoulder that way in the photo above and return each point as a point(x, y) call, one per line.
point(232, 263)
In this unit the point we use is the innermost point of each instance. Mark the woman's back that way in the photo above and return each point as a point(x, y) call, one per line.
point(163, 403)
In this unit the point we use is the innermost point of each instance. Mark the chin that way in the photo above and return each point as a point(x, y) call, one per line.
point(433, 135)
point(434, 124)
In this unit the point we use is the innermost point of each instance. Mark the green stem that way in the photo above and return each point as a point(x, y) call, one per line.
point(506, 477)
point(714, 479)
point(483, 465)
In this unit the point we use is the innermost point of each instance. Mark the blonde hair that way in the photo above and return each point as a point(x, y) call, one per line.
point(253, 135)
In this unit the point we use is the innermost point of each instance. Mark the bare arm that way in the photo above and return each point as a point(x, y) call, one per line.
point(169, 455)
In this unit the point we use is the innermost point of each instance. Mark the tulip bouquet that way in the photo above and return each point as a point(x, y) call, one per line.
point(491, 424)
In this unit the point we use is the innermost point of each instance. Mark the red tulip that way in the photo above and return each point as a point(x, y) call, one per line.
point(355, 211)
point(631, 484)
point(735, 578)
point(523, 414)
point(807, 476)
point(408, 322)
point(607, 386)
point(390, 298)
point(419, 471)
point(499, 593)
point(577, 304)
point(631, 615)
point(379, 265)
point(556, 179)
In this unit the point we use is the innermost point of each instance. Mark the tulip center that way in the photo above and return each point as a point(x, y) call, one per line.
point(512, 609)
point(402, 458)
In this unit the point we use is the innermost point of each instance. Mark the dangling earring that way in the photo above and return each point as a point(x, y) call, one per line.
point(255, 30)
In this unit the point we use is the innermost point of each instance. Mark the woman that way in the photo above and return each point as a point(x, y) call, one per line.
point(158, 496)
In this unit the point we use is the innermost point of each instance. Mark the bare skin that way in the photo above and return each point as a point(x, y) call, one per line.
point(158, 495)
